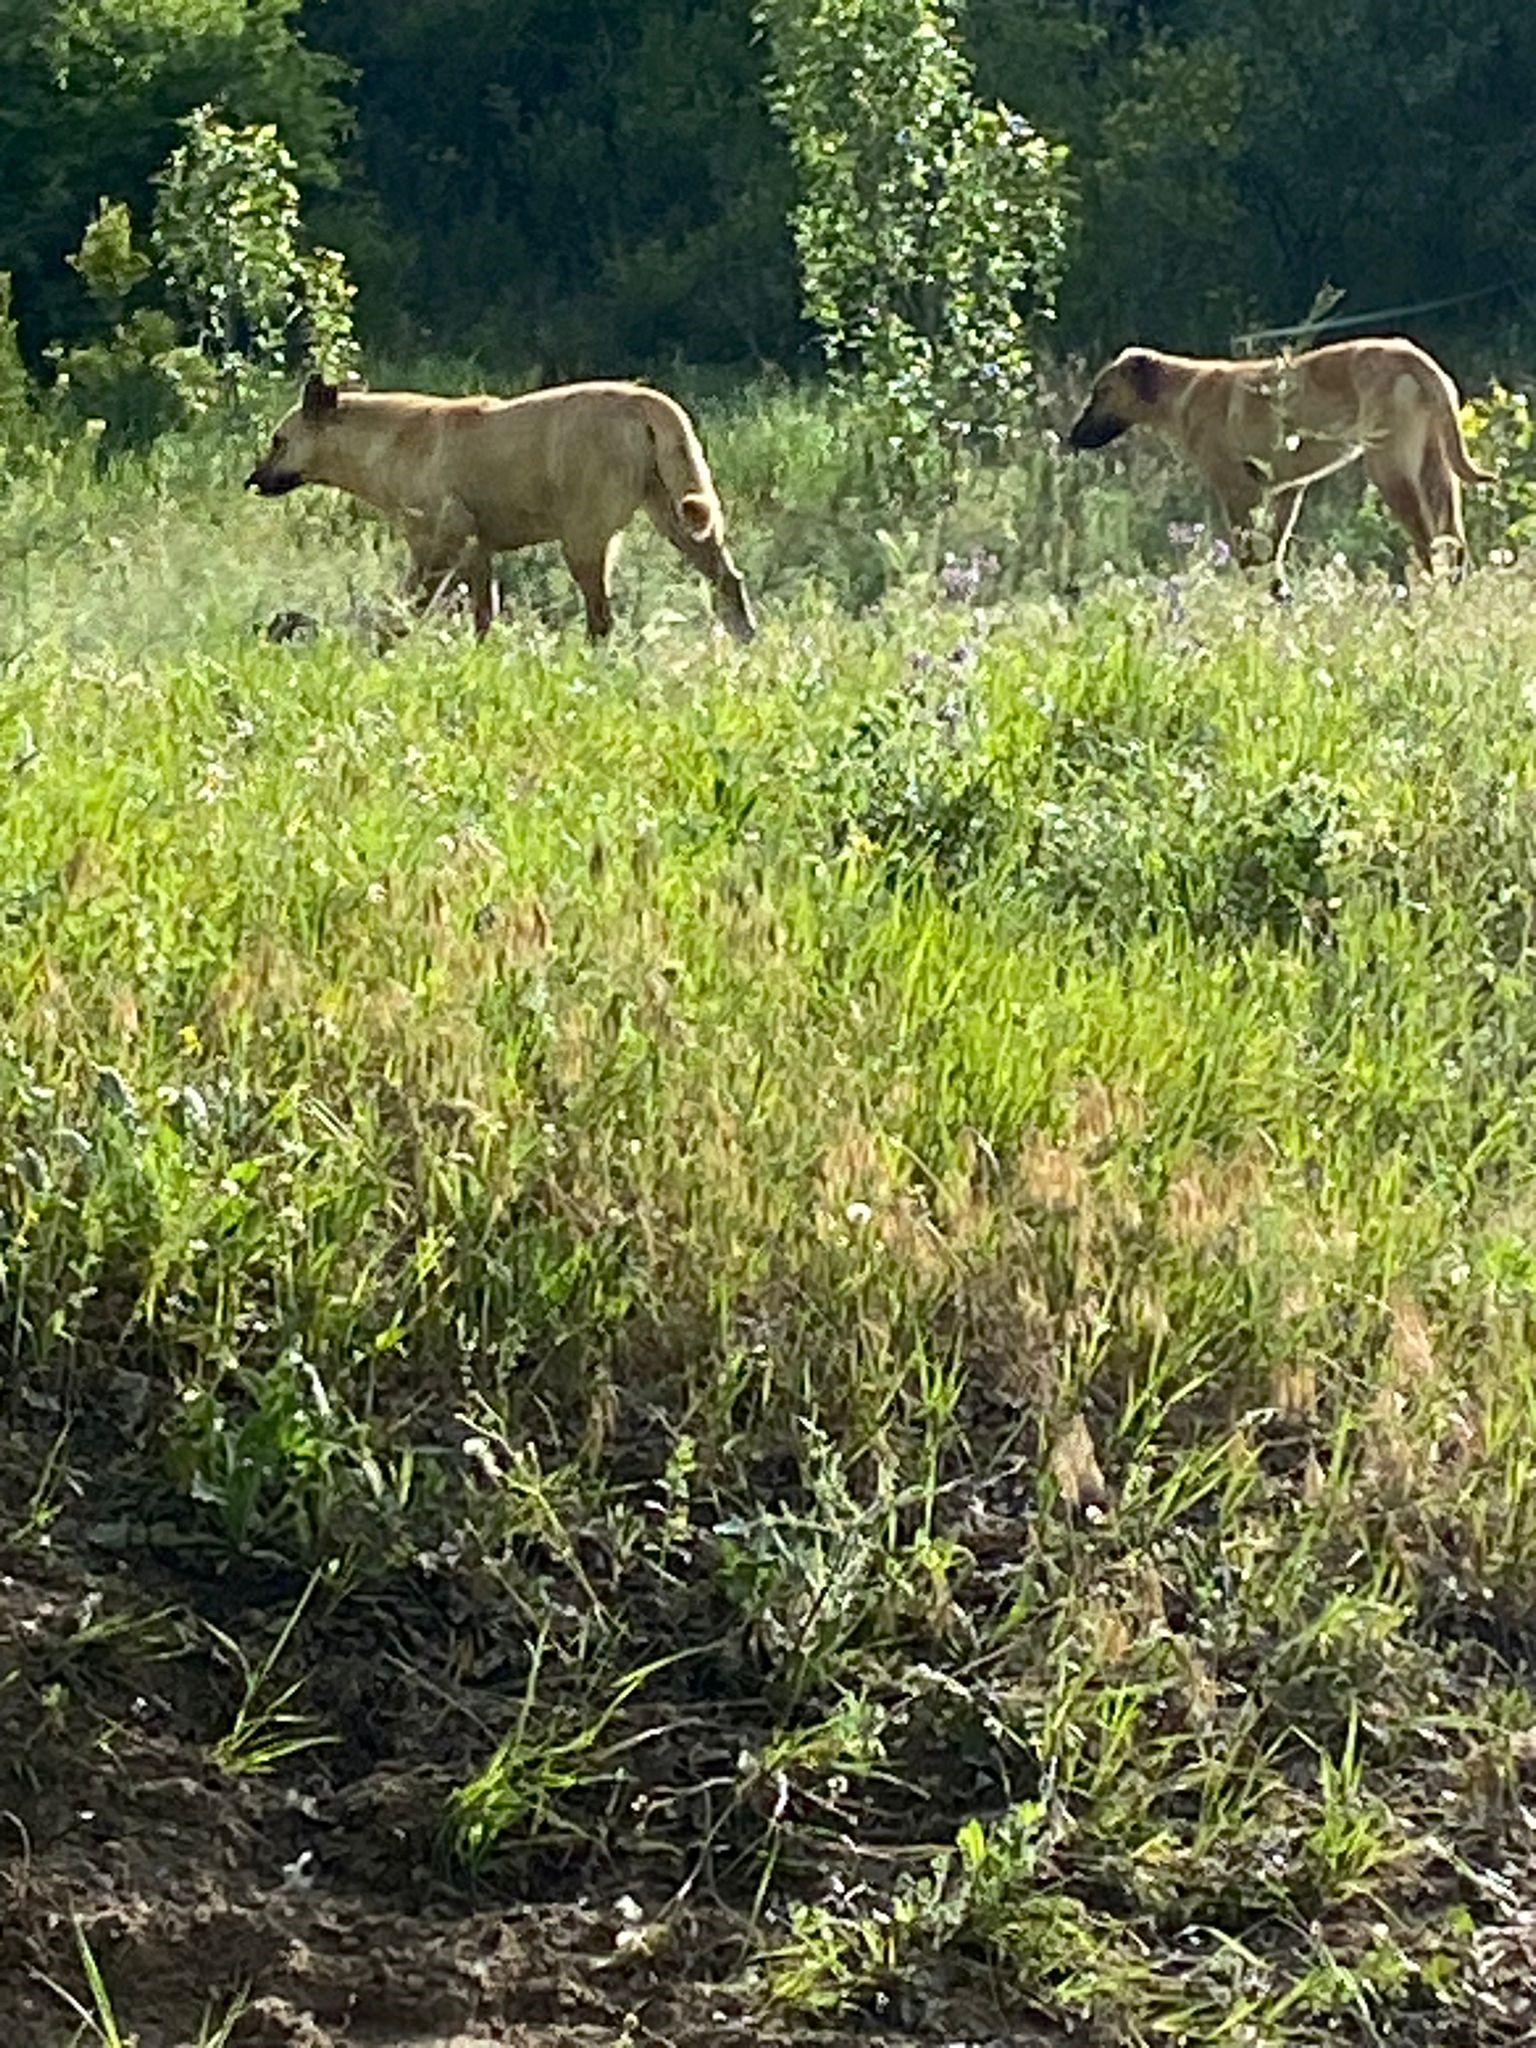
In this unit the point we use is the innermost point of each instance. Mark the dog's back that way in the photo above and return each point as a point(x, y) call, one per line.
point(469, 478)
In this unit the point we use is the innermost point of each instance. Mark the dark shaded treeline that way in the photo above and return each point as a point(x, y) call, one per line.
point(589, 183)
point(595, 180)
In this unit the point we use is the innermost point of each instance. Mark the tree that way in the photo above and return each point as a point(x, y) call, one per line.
point(93, 92)
point(581, 185)
point(930, 229)
point(230, 247)
point(1232, 155)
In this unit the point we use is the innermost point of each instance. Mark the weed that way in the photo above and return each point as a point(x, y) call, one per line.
point(266, 1730)
point(528, 1792)
point(98, 2020)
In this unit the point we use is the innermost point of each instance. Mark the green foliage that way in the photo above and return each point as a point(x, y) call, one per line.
point(15, 385)
point(107, 259)
point(912, 782)
point(930, 229)
point(98, 2020)
point(139, 379)
point(132, 35)
point(227, 236)
point(1230, 153)
point(583, 185)
point(94, 90)
point(266, 1729)
point(1500, 431)
point(270, 1454)
point(1019, 1338)
point(1224, 158)
point(544, 1766)
point(226, 233)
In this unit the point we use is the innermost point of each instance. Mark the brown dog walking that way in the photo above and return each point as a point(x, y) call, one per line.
point(465, 479)
point(1272, 427)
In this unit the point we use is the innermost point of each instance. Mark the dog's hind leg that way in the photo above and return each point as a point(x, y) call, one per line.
point(712, 560)
point(1405, 501)
point(1440, 490)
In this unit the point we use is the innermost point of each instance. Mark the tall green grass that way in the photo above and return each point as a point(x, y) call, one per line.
point(951, 1194)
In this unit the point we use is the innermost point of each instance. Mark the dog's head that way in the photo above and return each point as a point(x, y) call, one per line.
point(1123, 395)
point(297, 453)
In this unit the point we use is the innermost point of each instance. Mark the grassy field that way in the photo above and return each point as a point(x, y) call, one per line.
point(844, 1328)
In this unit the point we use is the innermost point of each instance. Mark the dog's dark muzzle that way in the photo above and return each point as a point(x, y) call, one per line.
point(270, 485)
point(1089, 432)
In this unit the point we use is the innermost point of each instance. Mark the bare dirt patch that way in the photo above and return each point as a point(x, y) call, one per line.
point(313, 1894)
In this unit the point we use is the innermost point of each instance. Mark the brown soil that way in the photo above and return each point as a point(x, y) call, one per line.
point(315, 1889)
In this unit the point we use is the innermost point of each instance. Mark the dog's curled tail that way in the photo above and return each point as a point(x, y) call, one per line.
point(1457, 454)
point(1462, 462)
point(683, 472)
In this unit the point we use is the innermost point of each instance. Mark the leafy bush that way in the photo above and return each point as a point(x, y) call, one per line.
point(140, 381)
point(228, 238)
point(930, 229)
point(227, 235)
point(1502, 437)
point(15, 385)
point(138, 378)
point(107, 258)
point(93, 92)
point(1283, 855)
point(911, 786)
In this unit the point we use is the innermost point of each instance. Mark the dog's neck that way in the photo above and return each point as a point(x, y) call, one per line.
point(355, 461)
point(1179, 375)
point(358, 453)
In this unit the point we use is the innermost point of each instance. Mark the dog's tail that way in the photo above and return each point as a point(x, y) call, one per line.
point(1461, 461)
point(1456, 450)
point(682, 471)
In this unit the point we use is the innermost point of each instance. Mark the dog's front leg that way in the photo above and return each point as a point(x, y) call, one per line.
point(483, 591)
point(446, 551)
point(1260, 531)
point(1240, 497)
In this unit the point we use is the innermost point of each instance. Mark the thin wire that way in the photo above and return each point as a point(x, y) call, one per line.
point(1486, 291)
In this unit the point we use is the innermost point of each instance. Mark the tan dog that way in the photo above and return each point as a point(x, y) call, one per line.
point(1271, 427)
point(467, 478)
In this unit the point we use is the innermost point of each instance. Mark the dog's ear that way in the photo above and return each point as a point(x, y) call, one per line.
point(1143, 372)
point(320, 399)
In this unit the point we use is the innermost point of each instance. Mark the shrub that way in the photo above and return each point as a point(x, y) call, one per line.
point(107, 258)
point(930, 229)
point(1502, 437)
point(911, 786)
point(228, 239)
point(140, 380)
point(15, 385)
point(137, 378)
